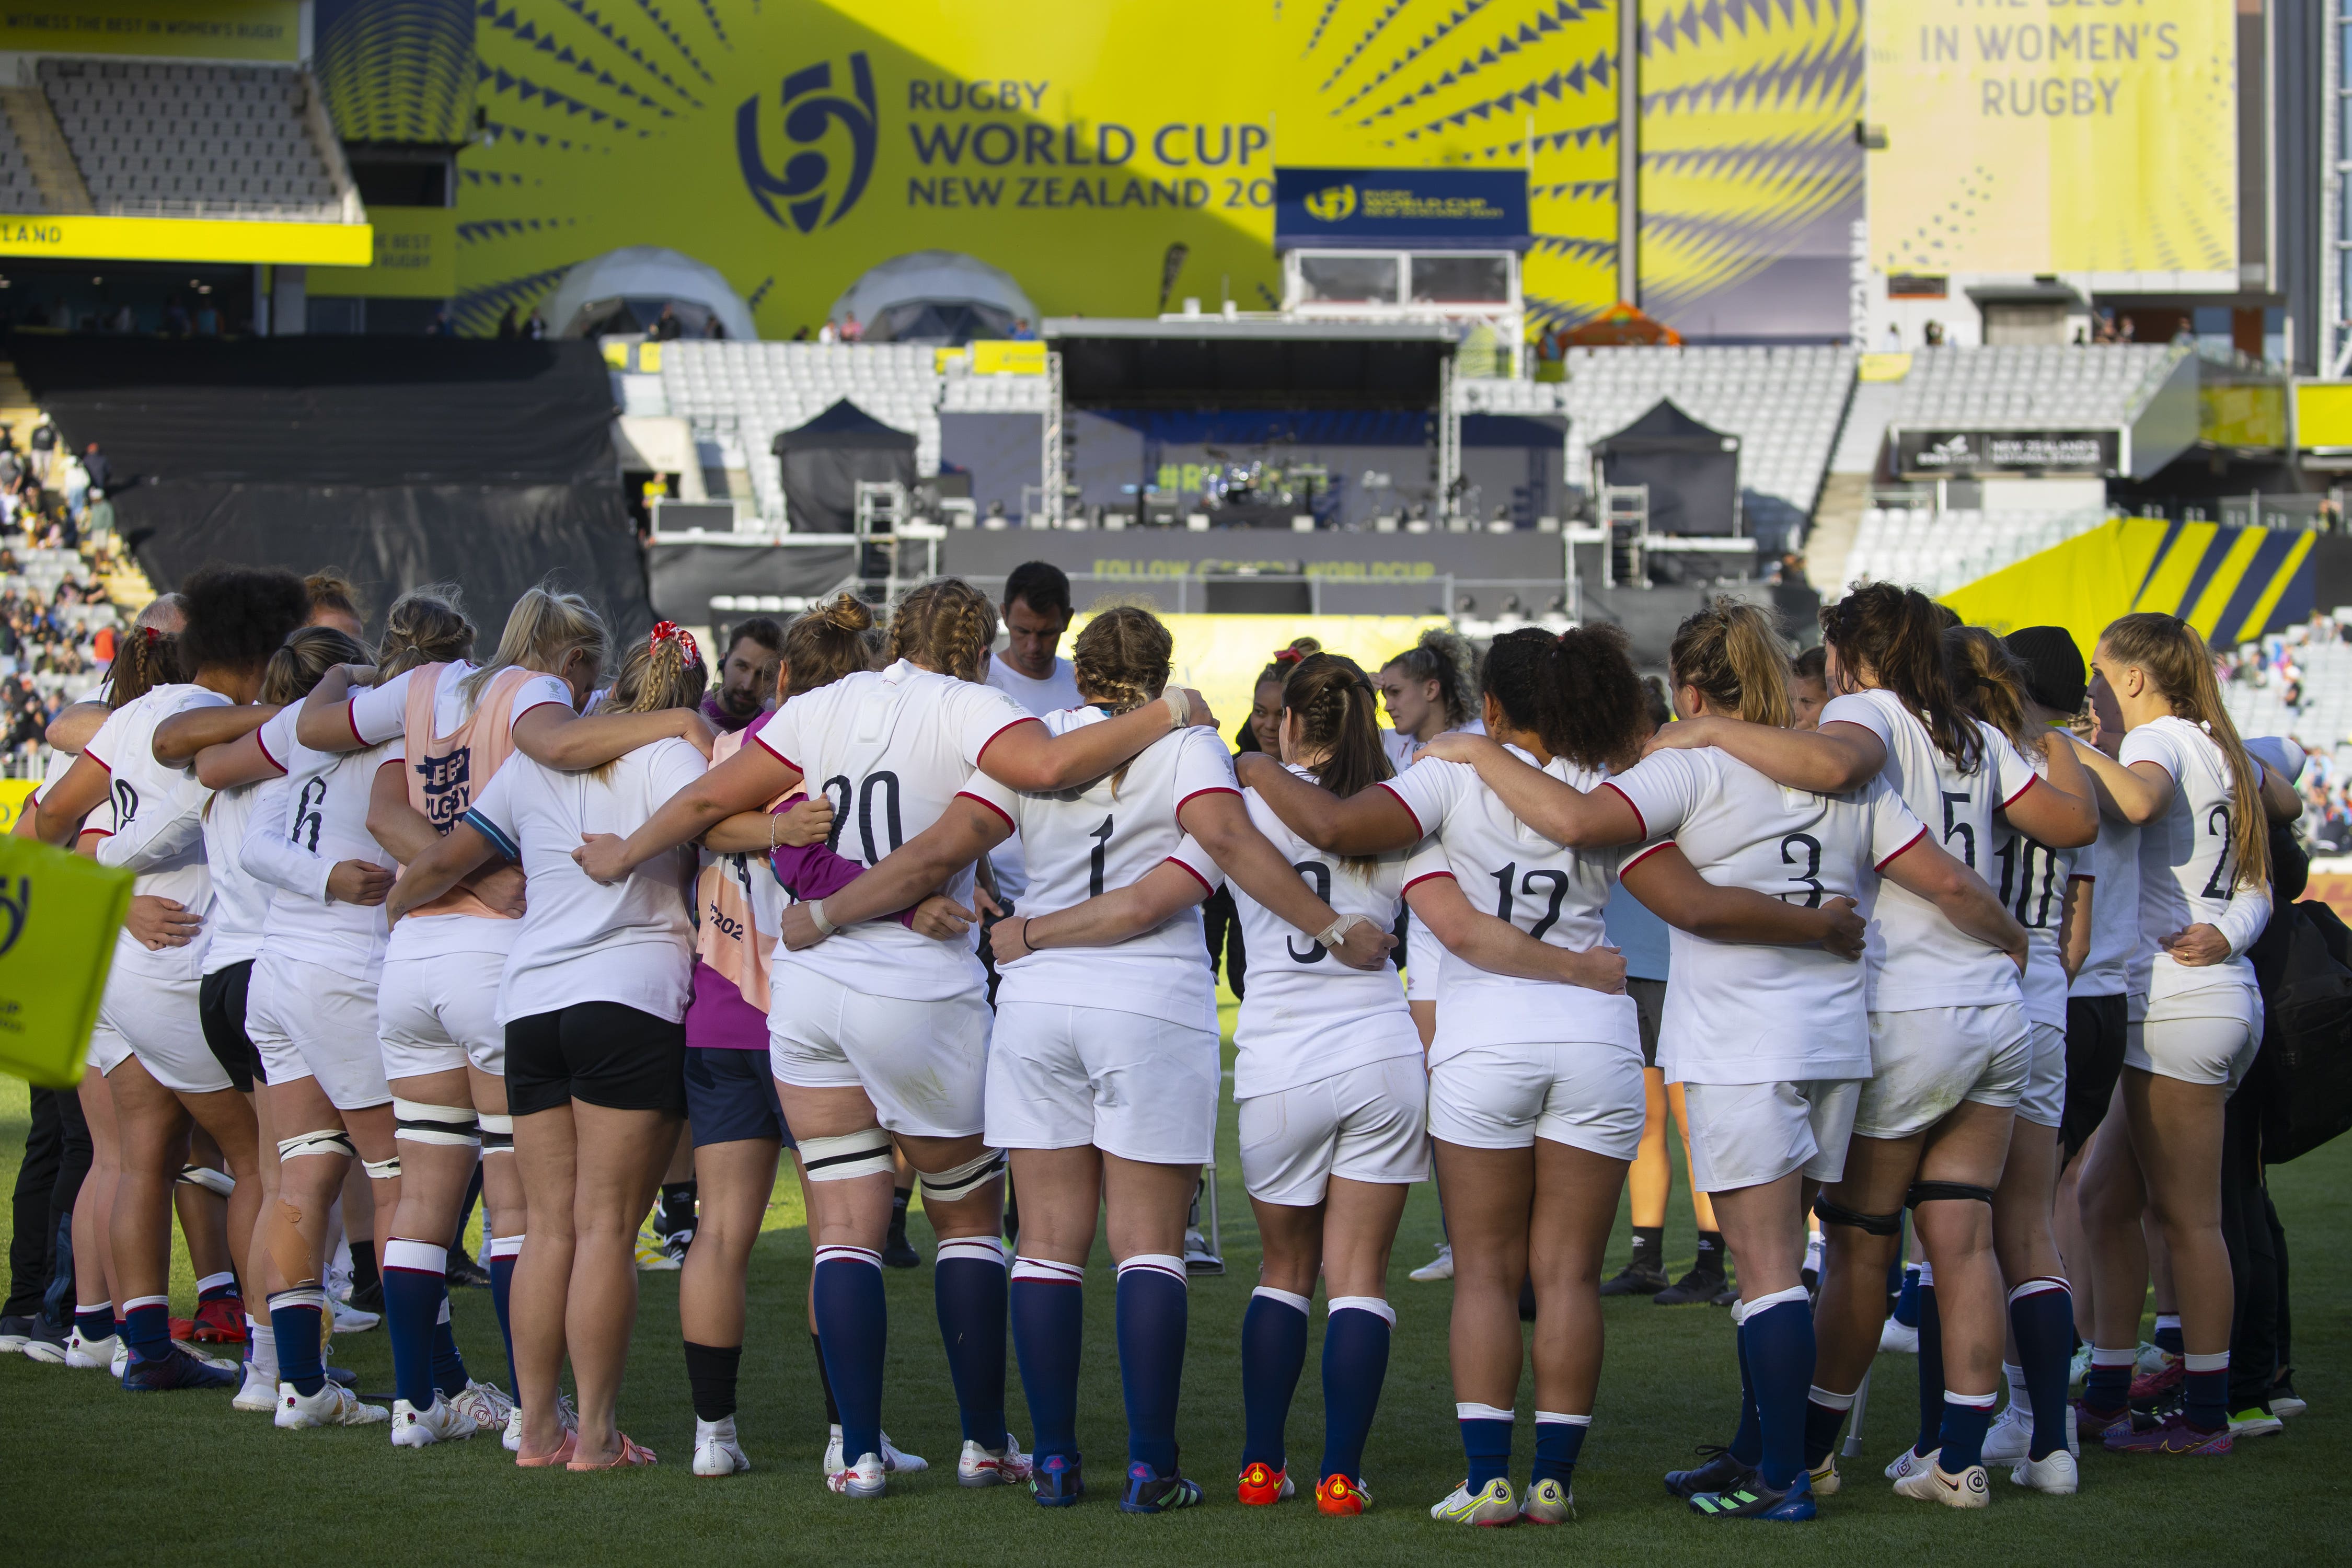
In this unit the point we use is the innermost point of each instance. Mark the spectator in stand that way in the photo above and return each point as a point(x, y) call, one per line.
point(714, 328)
point(207, 318)
point(536, 328)
point(98, 521)
point(97, 466)
point(509, 330)
point(828, 333)
point(851, 330)
point(801, 333)
point(43, 444)
point(1022, 332)
point(666, 327)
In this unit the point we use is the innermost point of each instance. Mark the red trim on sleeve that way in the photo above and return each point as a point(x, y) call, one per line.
point(1213, 789)
point(95, 833)
point(2031, 780)
point(516, 718)
point(351, 716)
point(1425, 877)
point(1010, 826)
point(1900, 853)
point(760, 735)
point(2151, 762)
point(1409, 811)
point(1206, 886)
point(1645, 855)
point(266, 757)
point(94, 757)
point(1024, 718)
point(2082, 877)
point(1636, 810)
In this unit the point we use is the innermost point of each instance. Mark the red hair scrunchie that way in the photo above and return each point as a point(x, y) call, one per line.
point(670, 631)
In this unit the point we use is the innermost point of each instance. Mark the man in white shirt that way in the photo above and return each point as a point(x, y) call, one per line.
point(1036, 611)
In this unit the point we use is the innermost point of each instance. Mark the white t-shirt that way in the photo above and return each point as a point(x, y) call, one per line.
point(1916, 957)
point(157, 824)
point(580, 942)
point(2188, 870)
point(1051, 695)
point(2112, 967)
point(1744, 1013)
point(1401, 747)
point(1508, 870)
point(1305, 1016)
point(240, 900)
point(889, 748)
point(380, 713)
point(1080, 844)
point(297, 839)
point(2031, 879)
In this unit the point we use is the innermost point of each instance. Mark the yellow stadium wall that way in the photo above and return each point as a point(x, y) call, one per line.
point(1220, 655)
point(2231, 583)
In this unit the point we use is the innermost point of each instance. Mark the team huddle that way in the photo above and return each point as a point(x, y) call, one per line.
point(521, 922)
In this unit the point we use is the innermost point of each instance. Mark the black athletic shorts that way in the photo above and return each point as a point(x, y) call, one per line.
point(2094, 1060)
point(730, 1096)
point(1649, 1006)
point(599, 1052)
point(220, 1005)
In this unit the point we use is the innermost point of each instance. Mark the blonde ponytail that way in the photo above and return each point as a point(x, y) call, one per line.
point(2171, 653)
point(545, 628)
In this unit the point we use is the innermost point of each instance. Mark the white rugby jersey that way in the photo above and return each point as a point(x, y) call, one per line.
point(1051, 695)
point(158, 823)
point(889, 749)
point(1746, 1013)
point(240, 900)
point(1080, 844)
point(1305, 1016)
point(2031, 879)
point(1916, 957)
point(577, 941)
point(2112, 966)
point(1508, 870)
point(319, 821)
point(2188, 866)
point(380, 713)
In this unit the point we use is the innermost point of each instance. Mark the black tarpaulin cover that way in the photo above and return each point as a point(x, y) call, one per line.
point(824, 460)
point(1692, 471)
point(328, 410)
point(492, 540)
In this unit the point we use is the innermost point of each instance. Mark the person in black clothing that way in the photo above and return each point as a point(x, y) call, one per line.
point(99, 466)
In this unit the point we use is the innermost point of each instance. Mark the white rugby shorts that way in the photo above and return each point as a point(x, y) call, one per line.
point(922, 1064)
point(2208, 1035)
point(1581, 1093)
point(1367, 1124)
point(1746, 1134)
point(310, 1022)
point(1925, 1060)
point(159, 1021)
point(434, 1014)
point(1140, 1087)
point(2043, 1103)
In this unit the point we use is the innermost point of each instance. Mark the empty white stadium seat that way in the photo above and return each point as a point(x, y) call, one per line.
point(177, 140)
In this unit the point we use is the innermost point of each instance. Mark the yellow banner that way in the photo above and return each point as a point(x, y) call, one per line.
point(1107, 154)
point(187, 29)
point(993, 357)
point(415, 251)
point(1221, 656)
point(2053, 138)
point(14, 794)
point(2322, 414)
point(184, 239)
point(2246, 414)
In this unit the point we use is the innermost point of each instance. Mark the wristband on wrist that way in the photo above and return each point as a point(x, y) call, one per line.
point(1180, 705)
point(1335, 934)
point(817, 912)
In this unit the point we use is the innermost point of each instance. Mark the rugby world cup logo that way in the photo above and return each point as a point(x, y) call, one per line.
point(822, 180)
point(1331, 204)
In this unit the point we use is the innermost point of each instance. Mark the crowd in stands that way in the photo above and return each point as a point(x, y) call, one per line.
point(58, 627)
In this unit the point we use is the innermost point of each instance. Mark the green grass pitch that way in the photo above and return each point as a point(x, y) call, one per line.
point(95, 1476)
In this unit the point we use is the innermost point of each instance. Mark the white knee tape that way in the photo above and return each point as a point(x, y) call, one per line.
point(452, 1125)
point(326, 1140)
point(852, 1155)
point(498, 1134)
point(947, 1186)
point(204, 1176)
point(382, 1170)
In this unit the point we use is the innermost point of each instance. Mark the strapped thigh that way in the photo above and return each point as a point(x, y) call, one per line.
point(326, 1140)
point(216, 1182)
point(1946, 1192)
point(847, 1157)
point(947, 1186)
point(498, 1134)
point(1871, 1223)
point(452, 1125)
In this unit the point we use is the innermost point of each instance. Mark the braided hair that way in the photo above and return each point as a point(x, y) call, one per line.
point(947, 625)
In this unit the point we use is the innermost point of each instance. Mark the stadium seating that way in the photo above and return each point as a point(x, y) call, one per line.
point(1784, 403)
point(2324, 724)
point(2030, 386)
point(1937, 552)
point(19, 192)
point(741, 394)
point(180, 141)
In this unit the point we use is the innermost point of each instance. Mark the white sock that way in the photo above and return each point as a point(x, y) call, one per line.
point(2019, 1399)
point(265, 1348)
